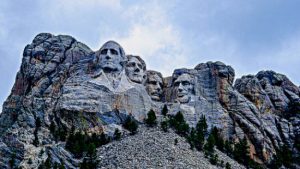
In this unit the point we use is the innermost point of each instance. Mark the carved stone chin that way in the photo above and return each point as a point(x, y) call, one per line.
point(135, 69)
point(184, 88)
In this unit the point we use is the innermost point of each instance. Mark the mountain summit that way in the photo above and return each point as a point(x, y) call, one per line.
point(64, 88)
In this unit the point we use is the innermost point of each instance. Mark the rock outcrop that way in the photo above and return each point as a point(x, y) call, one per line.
point(62, 82)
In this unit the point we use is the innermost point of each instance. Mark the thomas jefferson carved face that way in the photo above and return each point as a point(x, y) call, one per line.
point(184, 88)
point(135, 69)
point(111, 57)
point(154, 85)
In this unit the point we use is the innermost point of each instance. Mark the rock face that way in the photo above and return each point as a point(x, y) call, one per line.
point(64, 83)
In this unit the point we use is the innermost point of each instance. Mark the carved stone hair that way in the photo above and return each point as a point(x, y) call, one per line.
point(112, 44)
point(138, 58)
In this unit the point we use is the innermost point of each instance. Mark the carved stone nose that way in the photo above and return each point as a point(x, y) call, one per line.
point(107, 57)
point(136, 69)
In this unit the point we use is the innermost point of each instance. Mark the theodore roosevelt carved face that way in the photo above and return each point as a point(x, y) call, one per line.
point(154, 85)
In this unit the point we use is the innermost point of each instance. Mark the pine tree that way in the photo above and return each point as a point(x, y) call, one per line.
point(12, 160)
point(209, 145)
point(201, 131)
point(164, 111)
point(179, 124)
point(164, 125)
point(151, 118)
point(227, 165)
point(219, 140)
point(214, 159)
point(192, 138)
point(117, 134)
point(241, 152)
point(201, 126)
point(47, 163)
point(228, 148)
point(131, 125)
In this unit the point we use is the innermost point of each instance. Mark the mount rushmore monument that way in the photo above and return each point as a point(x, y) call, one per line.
point(62, 81)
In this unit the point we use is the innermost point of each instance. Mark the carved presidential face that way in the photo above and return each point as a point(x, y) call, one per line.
point(154, 86)
point(184, 88)
point(135, 69)
point(111, 57)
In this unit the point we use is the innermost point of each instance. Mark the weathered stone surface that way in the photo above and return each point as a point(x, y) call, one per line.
point(62, 81)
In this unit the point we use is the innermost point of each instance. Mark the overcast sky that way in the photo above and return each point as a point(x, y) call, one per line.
point(249, 35)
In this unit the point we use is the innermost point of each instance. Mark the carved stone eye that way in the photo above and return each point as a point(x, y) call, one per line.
point(185, 83)
point(131, 64)
point(114, 52)
point(103, 52)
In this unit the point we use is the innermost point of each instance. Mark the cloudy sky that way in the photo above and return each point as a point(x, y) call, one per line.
point(249, 35)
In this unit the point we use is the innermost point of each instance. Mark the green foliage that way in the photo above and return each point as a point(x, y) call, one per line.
point(79, 143)
point(131, 125)
point(283, 157)
point(175, 141)
point(59, 133)
point(164, 125)
point(12, 160)
point(202, 126)
point(201, 131)
point(164, 111)
point(117, 134)
point(47, 164)
point(228, 149)
point(179, 124)
point(192, 138)
point(151, 118)
point(227, 165)
point(218, 139)
point(214, 159)
point(88, 163)
point(241, 152)
point(210, 144)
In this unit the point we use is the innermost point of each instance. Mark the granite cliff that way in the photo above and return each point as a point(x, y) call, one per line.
point(62, 82)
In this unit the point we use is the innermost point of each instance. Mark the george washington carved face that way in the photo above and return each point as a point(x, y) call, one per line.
point(111, 57)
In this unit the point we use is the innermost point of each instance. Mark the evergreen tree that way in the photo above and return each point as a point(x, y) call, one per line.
point(201, 131)
point(164, 125)
point(179, 124)
point(164, 111)
point(12, 160)
point(283, 157)
point(219, 140)
point(214, 159)
point(47, 164)
point(241, 152)
point(228, 148)
point(151, 118)
point(192, 138)
point(117, 134)
point(227, 165)
point(201, 126)
point(131, 125)
point(209, 145)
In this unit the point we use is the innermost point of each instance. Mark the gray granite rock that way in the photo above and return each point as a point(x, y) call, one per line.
point(62, 81)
